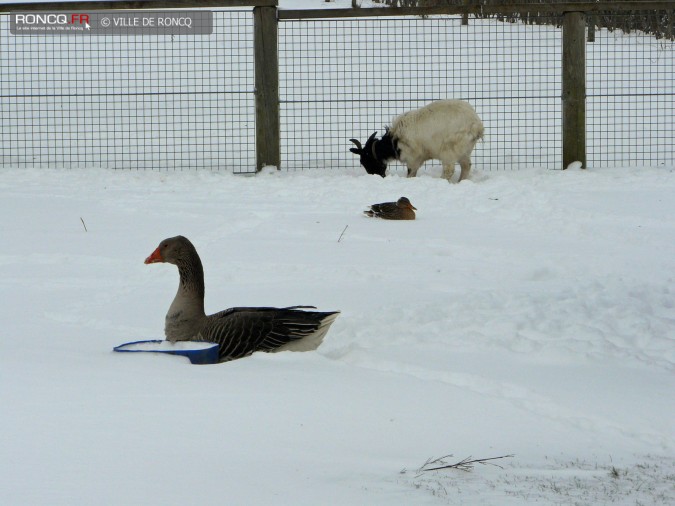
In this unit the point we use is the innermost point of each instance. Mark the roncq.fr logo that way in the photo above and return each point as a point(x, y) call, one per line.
point(53, 19)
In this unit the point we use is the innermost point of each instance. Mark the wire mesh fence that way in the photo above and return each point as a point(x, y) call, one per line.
point(630, 99)
point(345, 78)
point(130, 101)
point(188, 102)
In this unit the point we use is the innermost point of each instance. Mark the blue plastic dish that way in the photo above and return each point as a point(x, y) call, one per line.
point(202, 353)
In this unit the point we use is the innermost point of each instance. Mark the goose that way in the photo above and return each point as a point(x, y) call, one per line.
point(402, 209)
point(239, 331)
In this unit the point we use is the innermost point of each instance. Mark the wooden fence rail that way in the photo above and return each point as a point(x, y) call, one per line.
point(506, 9)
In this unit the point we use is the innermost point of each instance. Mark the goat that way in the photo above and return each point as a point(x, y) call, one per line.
point(445, 130)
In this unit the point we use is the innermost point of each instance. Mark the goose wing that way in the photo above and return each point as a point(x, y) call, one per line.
point(241, 331)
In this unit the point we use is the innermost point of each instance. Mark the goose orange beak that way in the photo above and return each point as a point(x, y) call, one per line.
point(155, 257)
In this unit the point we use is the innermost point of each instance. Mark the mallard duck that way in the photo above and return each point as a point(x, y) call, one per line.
point(402, 209)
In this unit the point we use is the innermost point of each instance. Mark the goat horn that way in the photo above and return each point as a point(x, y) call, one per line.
point(358, 144)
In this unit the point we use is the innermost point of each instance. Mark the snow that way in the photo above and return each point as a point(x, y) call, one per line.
point(526, 313)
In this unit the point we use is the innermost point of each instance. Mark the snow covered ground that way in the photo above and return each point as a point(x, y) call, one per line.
point(527, 313)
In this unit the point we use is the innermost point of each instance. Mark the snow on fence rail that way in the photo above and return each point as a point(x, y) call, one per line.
point(291, 87)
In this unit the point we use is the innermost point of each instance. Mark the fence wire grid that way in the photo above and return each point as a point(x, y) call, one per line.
point(630, 100)
point(188, 102)
point(132, 102)
point(346, 78)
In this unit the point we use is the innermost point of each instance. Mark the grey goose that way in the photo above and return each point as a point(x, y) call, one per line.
point(239, 331)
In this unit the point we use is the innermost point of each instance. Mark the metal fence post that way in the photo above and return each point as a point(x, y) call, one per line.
point(267, 124)
point(574, 88)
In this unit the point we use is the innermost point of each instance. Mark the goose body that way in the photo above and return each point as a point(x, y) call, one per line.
point(239, 331)
point(402, 209)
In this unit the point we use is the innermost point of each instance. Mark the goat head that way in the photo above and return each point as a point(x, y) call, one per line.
point(369, 159)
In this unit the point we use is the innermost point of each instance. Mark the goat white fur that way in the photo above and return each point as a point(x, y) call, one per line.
point(446, 130)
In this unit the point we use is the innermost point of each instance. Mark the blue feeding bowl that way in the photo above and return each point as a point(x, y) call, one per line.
point(199, 352)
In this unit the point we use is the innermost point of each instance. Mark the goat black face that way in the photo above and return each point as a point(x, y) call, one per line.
point(369, 159)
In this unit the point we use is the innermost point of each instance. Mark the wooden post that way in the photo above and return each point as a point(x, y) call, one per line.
point(590, 24)
point(267, 124)
point(574, 88)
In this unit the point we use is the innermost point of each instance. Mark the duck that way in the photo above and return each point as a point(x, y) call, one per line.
point(402, 209)
point(239, 331)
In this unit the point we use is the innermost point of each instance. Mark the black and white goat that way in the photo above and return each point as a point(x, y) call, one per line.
point(446, 130)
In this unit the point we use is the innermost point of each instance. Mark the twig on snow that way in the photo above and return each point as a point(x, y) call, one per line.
point(85, 226)
point(463, 465)
point(343, 232)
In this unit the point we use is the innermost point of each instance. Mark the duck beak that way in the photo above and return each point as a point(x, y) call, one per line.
point(155, 257)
